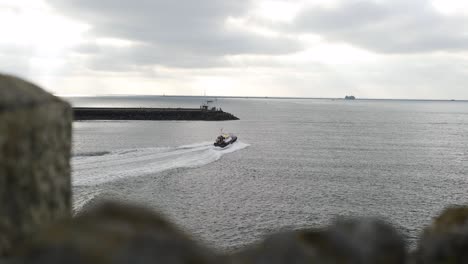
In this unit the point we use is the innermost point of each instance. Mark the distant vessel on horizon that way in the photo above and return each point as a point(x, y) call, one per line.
point(350, 97)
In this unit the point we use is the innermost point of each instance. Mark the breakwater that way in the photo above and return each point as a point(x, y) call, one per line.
point(81, 113)
point(37, 226)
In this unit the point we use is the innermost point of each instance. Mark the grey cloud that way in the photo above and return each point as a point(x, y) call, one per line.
point(387, 27)
point(15, 59)
point(171, 32)
point(88, 48)
point(139, 56)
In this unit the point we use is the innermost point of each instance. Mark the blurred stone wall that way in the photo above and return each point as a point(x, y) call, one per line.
point(35, 138)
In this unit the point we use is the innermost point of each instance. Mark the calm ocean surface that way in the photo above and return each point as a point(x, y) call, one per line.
point(299, 163)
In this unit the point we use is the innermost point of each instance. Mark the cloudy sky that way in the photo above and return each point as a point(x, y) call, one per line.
point(304, 48)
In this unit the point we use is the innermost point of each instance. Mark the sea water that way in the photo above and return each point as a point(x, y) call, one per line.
point(299, 163)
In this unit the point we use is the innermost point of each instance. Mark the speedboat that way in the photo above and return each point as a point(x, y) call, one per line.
point(224, 140)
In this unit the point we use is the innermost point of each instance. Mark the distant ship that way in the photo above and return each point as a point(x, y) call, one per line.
point(350, 97)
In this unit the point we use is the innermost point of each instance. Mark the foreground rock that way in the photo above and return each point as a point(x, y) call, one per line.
point(446, 239)
point(352, 241)
point(112, 233)
point(35, 139)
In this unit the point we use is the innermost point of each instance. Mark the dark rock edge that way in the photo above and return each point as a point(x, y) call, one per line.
point(178, 114)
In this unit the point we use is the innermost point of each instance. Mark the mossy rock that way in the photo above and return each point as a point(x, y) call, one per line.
point(289, 247)
point(446, 239)
point(347, 241)
point(35, 143)
point(451, 219)
point(113, 233)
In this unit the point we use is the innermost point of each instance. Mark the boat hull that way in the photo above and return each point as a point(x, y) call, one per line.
point(224, 144)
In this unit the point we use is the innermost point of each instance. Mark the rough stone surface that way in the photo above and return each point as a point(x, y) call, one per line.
point(351, 241)
point(367, 240)
point(112, 233)
point(83, 113)
point(16, 93)
point(446, 239)
point(35, 141)
point(289, 247)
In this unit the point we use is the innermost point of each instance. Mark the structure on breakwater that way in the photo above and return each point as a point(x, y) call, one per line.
point(81, 113)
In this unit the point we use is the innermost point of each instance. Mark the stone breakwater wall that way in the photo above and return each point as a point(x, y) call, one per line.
point(36, 225)
point(81, 113)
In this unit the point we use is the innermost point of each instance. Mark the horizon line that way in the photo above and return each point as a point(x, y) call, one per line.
point(258, 97)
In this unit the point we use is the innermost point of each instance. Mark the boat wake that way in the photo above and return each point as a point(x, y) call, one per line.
point(97, 168)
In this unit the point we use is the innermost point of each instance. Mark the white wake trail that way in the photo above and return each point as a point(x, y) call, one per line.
point(96, 169)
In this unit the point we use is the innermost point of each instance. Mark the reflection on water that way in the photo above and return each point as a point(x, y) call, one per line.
point(308, 162)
